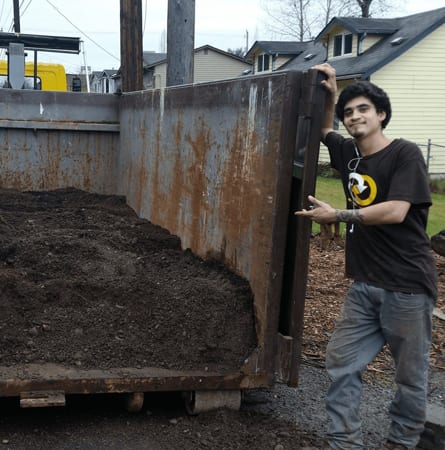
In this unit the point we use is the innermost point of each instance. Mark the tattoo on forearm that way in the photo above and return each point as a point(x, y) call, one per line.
point(349, 215)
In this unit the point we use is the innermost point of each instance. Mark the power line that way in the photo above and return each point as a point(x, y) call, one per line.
point(7, 19)
point(3, 7)
point(80, 31)
point(145, 18)
point(26, 7)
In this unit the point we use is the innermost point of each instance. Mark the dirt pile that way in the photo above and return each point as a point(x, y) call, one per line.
point(84, 282)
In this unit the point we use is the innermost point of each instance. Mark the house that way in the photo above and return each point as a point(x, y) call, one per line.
point(150, 62)
point(210, 64)
point(404, 56)
point(76, 82)
point(267, 56)
point(103, 82)
point(109, 81)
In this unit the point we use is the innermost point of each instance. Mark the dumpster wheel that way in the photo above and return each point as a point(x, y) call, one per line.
point(134, 401)
point(202, 401)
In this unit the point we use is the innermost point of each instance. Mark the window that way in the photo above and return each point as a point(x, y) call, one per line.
point(347, 44)
point(342, 44)
point(263, 63)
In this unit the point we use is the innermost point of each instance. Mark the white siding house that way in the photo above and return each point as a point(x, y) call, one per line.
point(210, 64)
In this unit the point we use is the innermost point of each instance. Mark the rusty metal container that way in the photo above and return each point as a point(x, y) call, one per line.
point(228, 162)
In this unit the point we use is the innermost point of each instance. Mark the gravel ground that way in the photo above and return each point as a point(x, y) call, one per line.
point(280, 418)
point(305, 405)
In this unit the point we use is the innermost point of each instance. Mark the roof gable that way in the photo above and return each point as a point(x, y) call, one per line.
point(163, 60)
point(218, 50)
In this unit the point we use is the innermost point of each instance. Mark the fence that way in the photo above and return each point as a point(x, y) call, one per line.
point(435, 158)
point(434, 155)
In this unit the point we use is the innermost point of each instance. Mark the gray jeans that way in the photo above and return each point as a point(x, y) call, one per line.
point(370, 318)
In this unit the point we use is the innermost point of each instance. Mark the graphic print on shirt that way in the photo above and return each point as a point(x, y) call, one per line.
point(362, 189)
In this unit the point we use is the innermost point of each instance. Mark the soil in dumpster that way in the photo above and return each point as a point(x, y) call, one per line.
point(86, 283)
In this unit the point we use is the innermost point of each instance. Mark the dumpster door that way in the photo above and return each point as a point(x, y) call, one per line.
point(307, 145)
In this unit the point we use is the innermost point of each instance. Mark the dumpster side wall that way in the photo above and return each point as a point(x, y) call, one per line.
point(213, 164)
point(50, 140)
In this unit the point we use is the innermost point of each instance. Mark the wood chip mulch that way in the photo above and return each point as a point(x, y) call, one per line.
point(326, 289)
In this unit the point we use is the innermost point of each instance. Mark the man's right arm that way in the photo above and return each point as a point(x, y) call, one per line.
point(330, 85)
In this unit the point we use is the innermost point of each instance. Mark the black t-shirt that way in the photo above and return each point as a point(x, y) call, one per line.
point(396, 257)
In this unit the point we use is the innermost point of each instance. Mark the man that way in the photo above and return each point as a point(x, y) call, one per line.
point(388, 257)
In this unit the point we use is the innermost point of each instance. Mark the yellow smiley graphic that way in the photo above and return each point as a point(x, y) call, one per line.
point(357, 190)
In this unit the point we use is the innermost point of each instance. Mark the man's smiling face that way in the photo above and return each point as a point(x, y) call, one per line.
point(361, 119)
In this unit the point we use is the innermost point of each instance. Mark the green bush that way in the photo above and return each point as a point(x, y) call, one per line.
point(437, 185)
point(325, 170)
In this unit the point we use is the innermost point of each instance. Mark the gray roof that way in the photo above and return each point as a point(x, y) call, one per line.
point(277, 47)
point(411, 29)
point(150, 58)
point(109, 72)
point(360, 25)
point(106, 73)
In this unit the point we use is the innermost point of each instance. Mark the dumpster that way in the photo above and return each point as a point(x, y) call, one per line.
point(221, 166)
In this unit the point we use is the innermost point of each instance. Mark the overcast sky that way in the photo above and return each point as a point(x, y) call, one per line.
point(221, 23)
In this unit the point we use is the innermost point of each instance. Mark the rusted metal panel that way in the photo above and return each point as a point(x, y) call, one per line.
point(212, 163)
point(57, 108)
point(310, 113)
point(50, 377)
point(50, 140)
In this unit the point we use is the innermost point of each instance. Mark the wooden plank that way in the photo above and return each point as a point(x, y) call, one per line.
point(41, 399)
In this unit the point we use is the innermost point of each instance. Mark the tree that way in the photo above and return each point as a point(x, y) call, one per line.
point(381, 7)
point(303, 19)
point(237, 51)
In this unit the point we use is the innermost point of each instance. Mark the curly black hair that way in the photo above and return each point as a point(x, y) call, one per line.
point(377, 95)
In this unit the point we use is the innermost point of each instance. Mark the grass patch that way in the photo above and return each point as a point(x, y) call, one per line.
point(436, 218)
point(331, 191)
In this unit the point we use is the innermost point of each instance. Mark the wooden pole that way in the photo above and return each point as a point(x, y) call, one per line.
point(180, 41)
point(16, 16)
point(132, 70)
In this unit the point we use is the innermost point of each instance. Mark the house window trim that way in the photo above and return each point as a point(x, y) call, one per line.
point(343, 35)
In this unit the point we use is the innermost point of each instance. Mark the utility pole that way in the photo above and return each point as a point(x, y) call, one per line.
point(16, 16)
point(132, 71)
point(180, 41)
